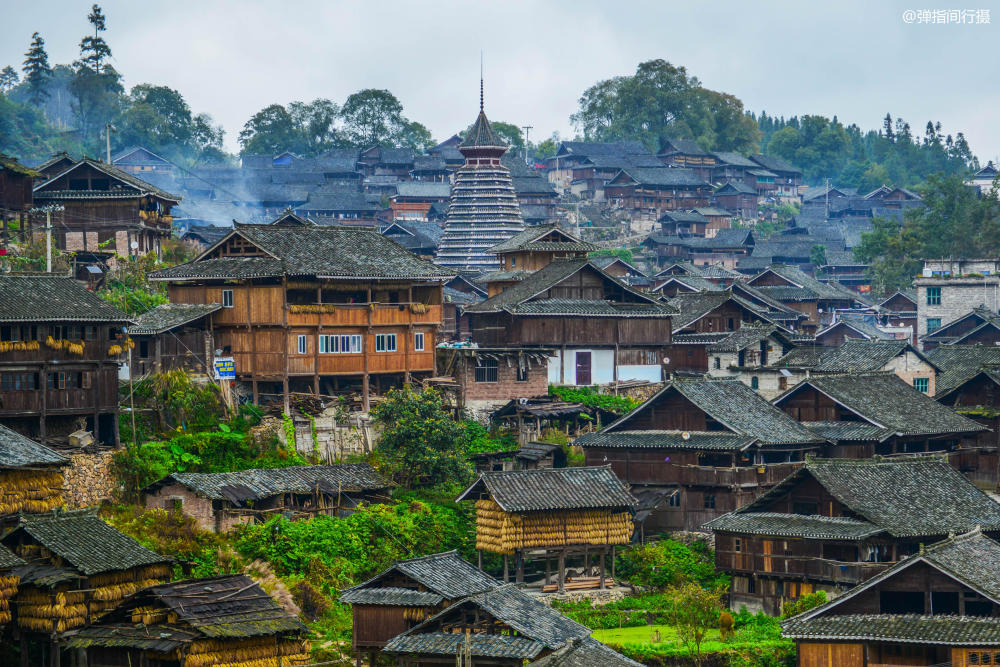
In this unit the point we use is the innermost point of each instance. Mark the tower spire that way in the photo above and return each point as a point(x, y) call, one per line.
point(480, 81)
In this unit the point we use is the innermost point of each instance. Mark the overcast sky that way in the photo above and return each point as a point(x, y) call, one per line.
point(229, 59)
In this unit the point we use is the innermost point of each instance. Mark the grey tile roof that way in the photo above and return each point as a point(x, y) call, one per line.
point(696, 440)
point(733, 159)
point(594, 487)
point(863, 355)
point(209, 234)
point(589, 307)
point(588, 148)
point(524, 614)
point(885, 400)
point(683, 216)
point(257, 484)
point(423, 189)
point(853, 430)
point(170, 315)
point(859, 328)
point(85, 542)
point(806, 356)
point(140, 186)
point(532, 185)
point(17, 451)
point(958, 363)
point(775, 163)
point(321, 251)
point(742, 338)
point(909, 628)
point(778, 524)
point(734, 405)
point(693, 306)
point(8, 560)
point(586, 652)
point(686, 146)
point(696, 283)
point(528, 240)
point(803, 280)
point(445, 574)
point(738, 187)
point(449, 643)
point(48, 298)
point(481, 135)
point(912, 497)
point(671, 177)
point(391, 596)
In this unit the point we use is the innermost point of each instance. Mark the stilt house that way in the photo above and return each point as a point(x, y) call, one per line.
point(226, 621)
point(557, 512)
point(31, 476)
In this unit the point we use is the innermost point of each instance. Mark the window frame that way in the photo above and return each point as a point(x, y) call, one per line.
point(228, 298)
point(923, 385)
point(483, 372)
point(419, 341)
point(302, 345)
point(933, 296)
point(386, 342)
point(937, 324)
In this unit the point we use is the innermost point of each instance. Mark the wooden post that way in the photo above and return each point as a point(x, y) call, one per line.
point(548, 569)
point(562, 570)
point(520, 567)
point(479, 552)
point(612, 562)
point(602, 568)
point(506, 576)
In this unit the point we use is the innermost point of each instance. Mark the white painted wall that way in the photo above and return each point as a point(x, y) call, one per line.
point(649, 372)
point(602, 368)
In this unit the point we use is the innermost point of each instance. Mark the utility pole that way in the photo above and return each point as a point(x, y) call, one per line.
point(48, 210)
point(527, 129)
point(108, 129)
point(828, 199)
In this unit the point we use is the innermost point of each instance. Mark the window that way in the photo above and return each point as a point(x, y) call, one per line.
point(933, 324)
point(344, 344)
point(418, 342)
point(85, 380)
point(737, 544)
point(782, 383)
point(227, 298)
point(90, 333)
point(385, 342)
point(933, 296)
point(754, 383)
point(302, 345)
point(486, 370)
point(710, 501)
point(718, 362)
point(675, 500)
point(922, 385)
point(522, 373)
point(19, 382)
point(56, 381)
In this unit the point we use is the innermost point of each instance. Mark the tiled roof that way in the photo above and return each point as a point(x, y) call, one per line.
point(778, 524)
point(391, 596)
point(49, 298)
point(958, 363)
point(588, 148)
point(852, 430)
point(551, 489)
point(696, 283)
point(910, 628)
point(742, 338)
point(8, 560)
point(806, 356)
point(734, 405)
point(423, 189)
point(586, 652)
point(683, 216)
point(528, 240)
point(481, 135)
point(530, 618)
point(693, 306)
point(675, 177)
point(170, 315)
point(885, 400)
point(803, 280)
point(17, 451)
point(85, 542)
point(590, 307)
point(327, 252)
point(695, 440)
point(445, 574)
point(860, 327)
point(209, 234)
point(737, 186)
point(532, 185)
point(912, 497)
point(258, 484)
point(734, 159)
point(480, 645)
point(140, 186)
point(858, 355)
point(686, 146)
point(775, 163)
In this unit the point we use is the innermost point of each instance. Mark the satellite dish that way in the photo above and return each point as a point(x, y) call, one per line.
point(666, 360)
point(685, 436)
point(134, 245)
point(522, 401)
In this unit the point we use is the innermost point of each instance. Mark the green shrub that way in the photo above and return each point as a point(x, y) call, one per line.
point(668, 563)
point(804, 603)
point(593, 398)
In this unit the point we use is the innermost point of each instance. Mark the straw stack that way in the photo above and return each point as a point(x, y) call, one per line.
point(34, 491)
point(250, 652)
point(111, 588)
point(56, 610)
point(8, 589)
point(504, 532)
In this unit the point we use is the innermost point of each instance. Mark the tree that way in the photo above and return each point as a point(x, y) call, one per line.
point(417, 137)
point(373, 117)
point(421, 443)
point(94, 50)
point(8, 78)
point(817, 255)
point(547, 148)
point(693, 612)
point(37, 71)
point(269, 131)
point(316, 124)
point(96, 86)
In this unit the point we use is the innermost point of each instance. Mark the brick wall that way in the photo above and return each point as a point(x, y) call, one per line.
point(958, 297)
point(194, 506)
point(89, 479)
point(506, 387)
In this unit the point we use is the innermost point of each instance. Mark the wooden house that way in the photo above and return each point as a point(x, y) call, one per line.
point(552, 513)
point(459, 292)
point(16, 182)
point(572, 154)
point(622, 270)
point(488, 377)
point(60, 346)
point(836, 522)
point(716, 441)
point(56, 164)
point(430, 169)
point(584, 652)
point(980, 326)
point(31, 476)
point(501, 627)
point(940, 606)
point(802, 292)
point(315, 309)
point(530, 417)
point(736, 197)
point(211, 622)
point(605, 330)
point(688, 154)
point(726, 247)
point(530, 251)
point(788, 177)
point(105, 204)
point(419, 237)
point(174, 335)
point(900, 309)
point(413, 200)
point(749, 348)
point(645, 194)
point(867, 356)
point(691, 223)
point(340, 205)
point(529, 456)
point(204, 236)
point(849, 328)
point(140, 161)
point(77, 568)
point(732, 167)
point(672, 286)
point(409, 592)
point(223, 500)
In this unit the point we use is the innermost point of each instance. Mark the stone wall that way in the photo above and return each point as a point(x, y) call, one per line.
point(89, 479)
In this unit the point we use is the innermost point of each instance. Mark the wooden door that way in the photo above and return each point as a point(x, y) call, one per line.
point(583, 368)
point(767, 548)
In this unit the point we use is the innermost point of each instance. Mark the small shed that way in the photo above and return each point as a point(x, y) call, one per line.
point(174, 335)
point(408, 593)
point(76, 568)
point(530, 456)
point(31, 476)
point(556, 512)
point(531, 416)
point(225, 621)
point(221, 501)
point(502, 627)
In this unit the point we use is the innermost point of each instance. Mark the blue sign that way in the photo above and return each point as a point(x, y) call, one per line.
point(225, 368)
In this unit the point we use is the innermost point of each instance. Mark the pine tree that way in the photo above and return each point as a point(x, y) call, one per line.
point(8, 78)
point(37, 71)
point(93, 50)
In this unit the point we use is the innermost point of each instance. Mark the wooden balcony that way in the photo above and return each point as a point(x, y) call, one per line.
point(815, 569)
point(745, 476)
point(359, 315)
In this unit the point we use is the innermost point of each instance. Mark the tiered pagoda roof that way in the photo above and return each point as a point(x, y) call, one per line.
point(483, 210)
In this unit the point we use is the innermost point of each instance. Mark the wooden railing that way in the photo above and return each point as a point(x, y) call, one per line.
point(355, 315)
point(821, 569)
